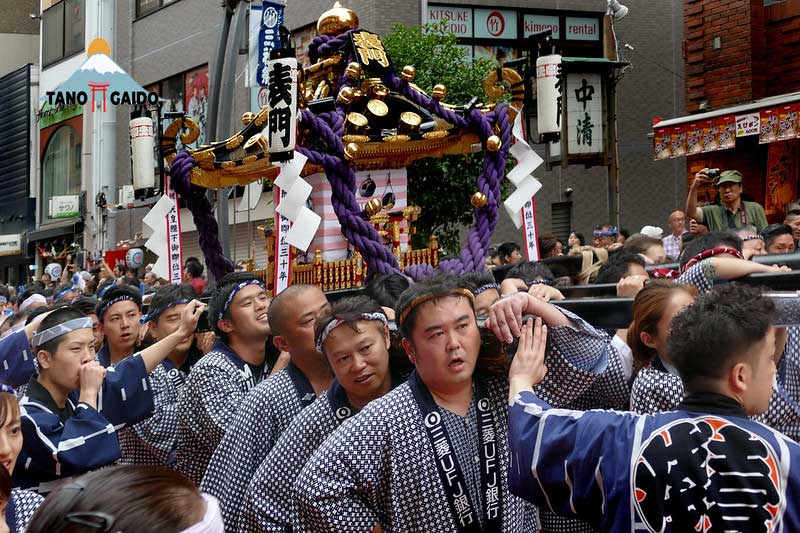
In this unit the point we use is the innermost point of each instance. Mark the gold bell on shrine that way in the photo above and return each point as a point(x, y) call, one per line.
point(493, 143)
point(479, 200)
point(439, 92)
point(337, 20)
point(373, 207)
point(409, 73)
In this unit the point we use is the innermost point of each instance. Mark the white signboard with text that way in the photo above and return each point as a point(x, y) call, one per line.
point(459, 19)
point(538, 23)
point(583, 29)
point(495, 24)
point(64, 206)
point(584, 92)
point(11, 244)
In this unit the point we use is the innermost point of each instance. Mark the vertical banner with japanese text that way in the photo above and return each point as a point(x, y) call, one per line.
point(282, 101)
point(531, 237)
point(174, 237)
point(283, 250)
point(268, 38)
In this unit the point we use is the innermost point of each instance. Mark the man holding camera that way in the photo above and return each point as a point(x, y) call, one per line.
point(733, 212)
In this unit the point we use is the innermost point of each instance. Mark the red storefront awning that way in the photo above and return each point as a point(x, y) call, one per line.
point(772, 119)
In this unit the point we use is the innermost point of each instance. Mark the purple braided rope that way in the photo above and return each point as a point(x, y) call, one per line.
point(433, 106)
point(419, 272)
point(202, 214)
point(343, 185)
point(325, 45)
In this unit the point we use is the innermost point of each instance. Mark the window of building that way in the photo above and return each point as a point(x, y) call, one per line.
point(63, 30)
point(561, 220)
point(61, 167)
point(145, 7)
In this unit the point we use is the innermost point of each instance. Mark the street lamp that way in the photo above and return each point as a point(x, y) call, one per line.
point(616, 9)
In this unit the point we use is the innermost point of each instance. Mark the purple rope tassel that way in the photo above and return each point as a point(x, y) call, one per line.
point(202, 214)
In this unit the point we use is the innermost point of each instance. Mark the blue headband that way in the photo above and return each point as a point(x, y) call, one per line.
point(232, 295)
point(610, 233)
point(484, 288)
point(539, 281)
point(155, 313)
point(61, 294)
point(3, 299)
point(7, 389)
point(111, 302)
point(102, 292)
point(43, 337)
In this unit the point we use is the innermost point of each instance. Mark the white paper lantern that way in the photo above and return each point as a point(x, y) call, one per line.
point(548, 94)
point(142, 153)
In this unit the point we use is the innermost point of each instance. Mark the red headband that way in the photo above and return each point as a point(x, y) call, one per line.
point(719, 250)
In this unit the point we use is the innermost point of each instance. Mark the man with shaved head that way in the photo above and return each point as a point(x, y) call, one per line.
point(269, 408)
point(219, 382)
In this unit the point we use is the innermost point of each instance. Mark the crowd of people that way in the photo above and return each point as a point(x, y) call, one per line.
point(395, 410)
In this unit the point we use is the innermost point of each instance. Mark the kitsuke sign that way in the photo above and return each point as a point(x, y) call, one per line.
point(539, 23)
point(749, 124)
point(583, 29)
point(459, 19)
point(495, 24)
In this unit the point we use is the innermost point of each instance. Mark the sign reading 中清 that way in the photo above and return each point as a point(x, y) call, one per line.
point(749, 124)
point(64, 206)
point(10, 244)
point(585, 132)
point(495, 24)
point(539, 23)
point(459, 19)
point(582, 29)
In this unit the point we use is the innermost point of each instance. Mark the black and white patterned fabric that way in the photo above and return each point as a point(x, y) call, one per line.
point(264, 414)
point(268, 504)
point(22, 504)
point(153, 441)
point(215, 389)
point(702, 275)
point(379, 467)
point(657, 389)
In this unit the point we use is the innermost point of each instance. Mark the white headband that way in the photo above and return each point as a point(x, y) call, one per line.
point(336, 322)
point(41, 337)
point(32, 299)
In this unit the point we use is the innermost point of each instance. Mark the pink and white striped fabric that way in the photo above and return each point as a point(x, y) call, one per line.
point(329, 236)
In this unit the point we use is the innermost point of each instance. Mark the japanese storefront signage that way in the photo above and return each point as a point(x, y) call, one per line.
point(772, 124)
point(269, 16)
point(749, 124)
point(10, 244)
point(538, 23)
point(495, 24)
point(781, 188)
point(459, 19)
point(64, 206)
point(583, 29)
point(585, 131)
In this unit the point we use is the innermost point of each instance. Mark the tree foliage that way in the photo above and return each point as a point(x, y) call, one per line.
point(442, 187)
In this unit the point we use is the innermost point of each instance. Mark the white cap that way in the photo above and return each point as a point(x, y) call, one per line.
point(652, 231)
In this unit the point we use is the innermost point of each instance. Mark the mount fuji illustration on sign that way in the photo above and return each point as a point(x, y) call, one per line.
point(102, 80)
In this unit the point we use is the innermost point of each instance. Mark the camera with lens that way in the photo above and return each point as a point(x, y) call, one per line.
point(713, 174)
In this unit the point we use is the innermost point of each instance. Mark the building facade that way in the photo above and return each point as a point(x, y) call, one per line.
point(742, 99)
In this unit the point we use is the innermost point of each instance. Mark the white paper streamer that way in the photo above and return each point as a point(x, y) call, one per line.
point(521, 175)
point(295, 193)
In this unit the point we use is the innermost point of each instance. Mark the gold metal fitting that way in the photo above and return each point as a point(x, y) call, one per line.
point(346, 95)
point(409, 123)
point(256, 143)
point(493, 143)
point(479, 200)
point(337, 20)
point(373, 207)
point(377, 109)
point(439, 92)
point(409, 73)
point(350, 151)
point(247, 118)
point(356, 124)
point(354, 71)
